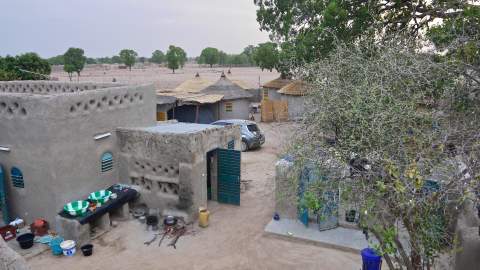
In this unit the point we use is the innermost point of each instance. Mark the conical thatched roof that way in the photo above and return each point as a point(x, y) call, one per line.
point(228, 89)
point(194, 85)
point(277, 83)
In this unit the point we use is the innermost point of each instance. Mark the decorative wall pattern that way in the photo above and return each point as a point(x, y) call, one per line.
point(156, 177)
point(46, 88)
point(106, 102)
point(11, 109)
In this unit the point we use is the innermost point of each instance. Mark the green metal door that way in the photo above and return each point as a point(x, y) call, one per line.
point(3, 197)
point(229, 176)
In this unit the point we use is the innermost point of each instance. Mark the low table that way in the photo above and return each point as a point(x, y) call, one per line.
point(77, 228)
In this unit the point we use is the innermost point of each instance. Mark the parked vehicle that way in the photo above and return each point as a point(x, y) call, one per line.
point(252, 137)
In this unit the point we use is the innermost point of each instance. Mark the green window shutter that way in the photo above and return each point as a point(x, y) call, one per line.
point(17, 178)
point(107, 162)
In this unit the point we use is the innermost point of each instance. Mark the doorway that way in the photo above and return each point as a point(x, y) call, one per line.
point(3, 197)
point(212, 175)
point(223, 176)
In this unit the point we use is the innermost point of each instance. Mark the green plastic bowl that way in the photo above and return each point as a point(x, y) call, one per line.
point(76, 208)
point(100, 197)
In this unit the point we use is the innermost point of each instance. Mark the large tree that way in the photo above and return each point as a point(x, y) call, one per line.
point(312, 26)
point(266, 55)
point(158, 57)
point(406, 127)
point(209, 56)
point(128, 57)
point(28, 66)
point(249, 51)
point(176, 57)
point(74, 61)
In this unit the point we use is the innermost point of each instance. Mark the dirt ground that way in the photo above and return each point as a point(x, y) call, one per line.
point(163, 78)
point(235, 238)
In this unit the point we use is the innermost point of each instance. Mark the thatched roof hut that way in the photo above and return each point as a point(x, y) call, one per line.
point(295, 88)
point(227, 88)
point(277, 83)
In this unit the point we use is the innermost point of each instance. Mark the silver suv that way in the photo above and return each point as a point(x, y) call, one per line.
point(252, 137)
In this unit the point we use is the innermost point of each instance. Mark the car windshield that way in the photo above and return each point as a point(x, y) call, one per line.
point(253, 128)
point(221, 124)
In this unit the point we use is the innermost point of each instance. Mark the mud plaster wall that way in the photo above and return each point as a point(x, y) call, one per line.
point(170, 169)
point(53, 142)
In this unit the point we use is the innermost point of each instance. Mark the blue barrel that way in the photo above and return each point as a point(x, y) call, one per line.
point(370, 259)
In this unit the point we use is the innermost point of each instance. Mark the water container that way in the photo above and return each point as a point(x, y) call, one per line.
point(370, 259)
point(203, 215)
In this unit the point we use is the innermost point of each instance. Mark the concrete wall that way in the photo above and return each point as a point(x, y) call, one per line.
point(9, 259)
point(51, 135)
point(272, 94)
point(241, 109)
point(296, 106)
point(169, 169)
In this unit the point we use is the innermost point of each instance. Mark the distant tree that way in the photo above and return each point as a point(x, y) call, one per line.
point(91, 61)
point(249, 51)
point(30, 66)
point(128, 57)
point(266, 56)
point(7, 69)
point(142, 59)
point(56, 60)
point(222, 58)
point(176, 57)
point(116, 59)
point(183, 56)
point(209, 56)
point(74, 61)
point(158, 57)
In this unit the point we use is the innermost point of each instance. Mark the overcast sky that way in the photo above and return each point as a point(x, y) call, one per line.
point(104, 27)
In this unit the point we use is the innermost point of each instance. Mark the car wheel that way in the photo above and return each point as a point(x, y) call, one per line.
point(244, 146)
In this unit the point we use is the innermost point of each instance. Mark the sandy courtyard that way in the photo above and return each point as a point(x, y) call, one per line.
point(163, 78)
point(235, 238)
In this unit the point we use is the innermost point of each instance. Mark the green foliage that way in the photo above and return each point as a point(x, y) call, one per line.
point(209, 56)
point(74, 61)
point(266, 56)
point(128, 57)
point(311, 201)
point(459, 36)
point(387, 104)
point(28, 66)
point(249, 51)
point(56, 60)
point(311, 27)
point(158, 57)
point(176, 57)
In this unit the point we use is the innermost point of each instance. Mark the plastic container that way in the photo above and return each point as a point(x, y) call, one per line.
point(26, 240)
point(68, 248)
point(76, 208)
point(100, 197)
point(203, 216)
point(87, 250)
point(55, 246)
point(371, 260)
